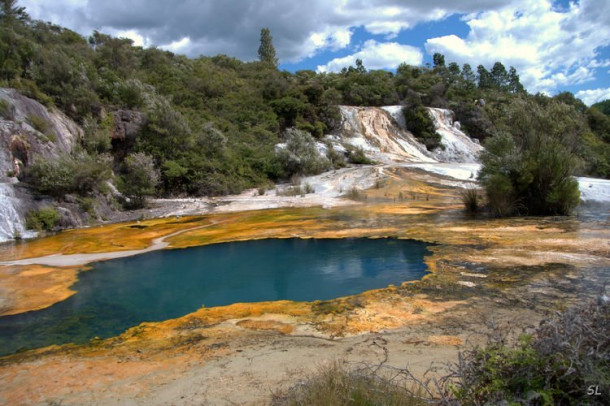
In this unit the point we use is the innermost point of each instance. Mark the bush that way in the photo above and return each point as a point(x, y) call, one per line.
point(336, 158)
point(7, 110)
point(337, 385)
point(83, 174)
point(420, 123)
point(358, 157)
point(40, 124)
point(43, 219)
point(139, 179)
point(471, 200)
point(297, 190)
point(96, 137)
point(567, 355)
point(300, 155)
point(355, 193)
point(530, 169)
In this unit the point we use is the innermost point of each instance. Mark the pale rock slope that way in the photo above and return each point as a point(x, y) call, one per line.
point(375, 131)
point(20, 144)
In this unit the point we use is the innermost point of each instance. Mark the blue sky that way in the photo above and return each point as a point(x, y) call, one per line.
point(555, 45)
point(415, 37)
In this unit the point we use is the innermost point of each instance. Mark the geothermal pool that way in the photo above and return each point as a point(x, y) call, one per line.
point(121, 293)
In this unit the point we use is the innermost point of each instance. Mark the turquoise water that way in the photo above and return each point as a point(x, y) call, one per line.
point(161, 285)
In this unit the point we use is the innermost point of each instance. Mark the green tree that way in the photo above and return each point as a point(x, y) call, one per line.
point(16, 51)
point(300, 155)
point(454, 69)
point(499, 76)
point(139, 179)
point(514, 84)
point(603, 106)
point(528, 168)
point(467, 73)
point(438, 60)
point(83, 174)
point(485, 78)
point(420, 123)
point(266, 50)
point(9, 11)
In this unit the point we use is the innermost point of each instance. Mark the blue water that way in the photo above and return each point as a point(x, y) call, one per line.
point(161, 285)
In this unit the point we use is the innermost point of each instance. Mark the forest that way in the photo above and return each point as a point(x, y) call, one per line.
point(209, 125)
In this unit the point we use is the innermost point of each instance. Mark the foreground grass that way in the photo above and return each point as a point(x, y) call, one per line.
point(338, 385)
point(566, 361)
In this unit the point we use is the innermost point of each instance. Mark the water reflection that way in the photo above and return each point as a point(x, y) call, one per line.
point(121, 293)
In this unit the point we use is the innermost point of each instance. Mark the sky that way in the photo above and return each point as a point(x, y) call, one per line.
point(555, 45)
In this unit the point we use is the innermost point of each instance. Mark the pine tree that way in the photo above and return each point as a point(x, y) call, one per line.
point(266, 50)
point(467, 73)
point(485, 78)
point(438, 60)
point(514, 85)
point(499, 76)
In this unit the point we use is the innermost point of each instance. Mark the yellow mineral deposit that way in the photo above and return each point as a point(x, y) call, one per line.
point(150, 354)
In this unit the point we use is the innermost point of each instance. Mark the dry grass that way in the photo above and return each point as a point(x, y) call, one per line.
point(338, 385)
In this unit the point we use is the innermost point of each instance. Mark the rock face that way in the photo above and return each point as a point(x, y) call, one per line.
point(382, 134)
point(458, 147)
point(28, 131)
point(127, 124)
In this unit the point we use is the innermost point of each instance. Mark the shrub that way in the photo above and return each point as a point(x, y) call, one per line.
point(358, 157)
point(567, 355)
point(39, 123)
point(530, 168)
point(338, 385)
point(471, 200)
point(96, 137)
point(87, 204)
point(420, 123)
point(300, 155)
point(81, 174)
point(139, 179)
point(336, 158)
point(355, 193)
point(297, 190)
point(6, 110)
point(43, 219)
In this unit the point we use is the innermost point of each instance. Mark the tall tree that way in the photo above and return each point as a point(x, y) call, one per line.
point(454, 69)
point(438, 60)
point(467, 73)
point(514, 85)
point(499, 76)
point(485, 78)
point(10, 11)
point(266, 50)
point(15, 50)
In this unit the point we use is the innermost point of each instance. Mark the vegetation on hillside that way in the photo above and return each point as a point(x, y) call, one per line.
point(211, 123)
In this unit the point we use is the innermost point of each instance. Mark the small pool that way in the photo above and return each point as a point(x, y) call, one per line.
point(118, 294)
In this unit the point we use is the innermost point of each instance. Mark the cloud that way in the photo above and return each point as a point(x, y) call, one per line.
point(549, 47)
point(376, 55)
point(300, 28)
point(593, 96)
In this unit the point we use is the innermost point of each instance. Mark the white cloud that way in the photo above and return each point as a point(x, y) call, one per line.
point(178, 46)
point(593, 96)
point(133, 35)
point(548, 47)
point(377, 55)
point(300, 28)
